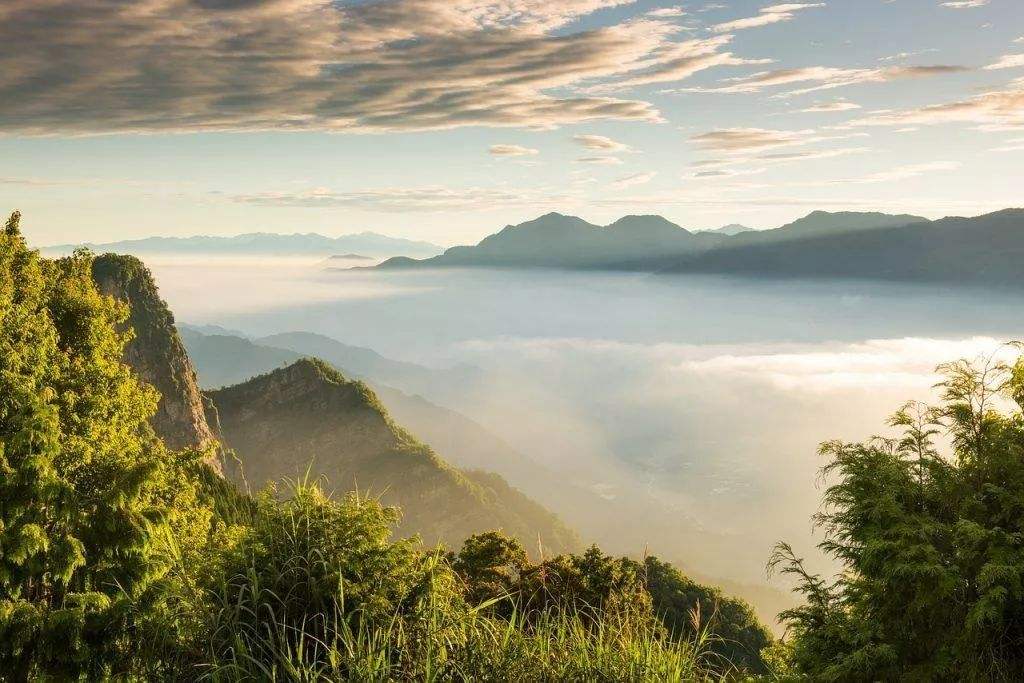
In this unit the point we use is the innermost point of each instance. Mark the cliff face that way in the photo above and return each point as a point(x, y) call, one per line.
point(309, 419)
point(156, 352)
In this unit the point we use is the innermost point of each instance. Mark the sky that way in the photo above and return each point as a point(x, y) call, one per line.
point(444, 120)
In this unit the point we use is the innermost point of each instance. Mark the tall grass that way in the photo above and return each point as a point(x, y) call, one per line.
point(316, 591)
point(438, 646)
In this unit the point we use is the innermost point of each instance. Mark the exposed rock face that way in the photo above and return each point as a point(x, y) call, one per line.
point(156, 352)
point(307, 419)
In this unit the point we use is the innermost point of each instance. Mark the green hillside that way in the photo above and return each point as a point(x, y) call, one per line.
point(308, 418)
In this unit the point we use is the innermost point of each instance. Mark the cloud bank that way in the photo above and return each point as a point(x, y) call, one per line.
point(71, 67)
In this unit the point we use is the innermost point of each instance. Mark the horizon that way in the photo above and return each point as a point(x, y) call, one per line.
point(496, 230)
point(326, 117)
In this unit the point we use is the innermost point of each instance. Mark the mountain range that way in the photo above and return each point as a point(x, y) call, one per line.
point(985, 250)
point(307, 419)
point(365, 244)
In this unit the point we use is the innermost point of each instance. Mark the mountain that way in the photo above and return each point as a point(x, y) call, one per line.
point(308, 418)
point(731, 230)
point(156, 352)
point(645, 243)
point(819, 223)
point(349, 257)
point(222, 360)
point(558, 241)
point(986, 250)
point(368, 244)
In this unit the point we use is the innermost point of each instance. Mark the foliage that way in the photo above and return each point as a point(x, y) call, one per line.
point(932, 547)
point(86, 491)
point(121, 559)
point(494, 566)
point(314, 590)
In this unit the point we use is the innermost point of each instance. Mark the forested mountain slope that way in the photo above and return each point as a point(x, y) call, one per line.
point(309, 419)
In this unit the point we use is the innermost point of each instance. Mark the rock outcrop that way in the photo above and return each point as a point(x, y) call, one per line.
point(156, 352)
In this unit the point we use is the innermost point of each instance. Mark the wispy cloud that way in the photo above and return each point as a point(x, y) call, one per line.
point(965, 4)
point(600, 160)
point(825, 78)
point(512, 151)
point(740, 140)
point(600, 143)
point(409, 199)
point(905, 172)
point(1007, 62)
point(828, 107)
point(999, 109)
point(634, 180)
point(772, 14)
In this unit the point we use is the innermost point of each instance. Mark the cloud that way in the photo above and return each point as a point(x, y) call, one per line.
point(634, 180)
point(600, 143)
point(769, 15)
point(786, 157)
point(896, 174)
point(600, 160)
point(965, 4)
point(827, 107)
point(408, 199)
point(825, 78)
point(758, 161)
point(1000, 109)
point(738, 140)
point(726, 173)
point(681, 61)
point(678, 11)
point(512, 151)
point(70, 67)
point(1007, 62)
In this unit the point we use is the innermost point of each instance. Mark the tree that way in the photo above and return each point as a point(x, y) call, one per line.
point(932, 547)
point(85, 487)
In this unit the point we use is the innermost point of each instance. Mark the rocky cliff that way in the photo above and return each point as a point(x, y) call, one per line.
point(156, 352)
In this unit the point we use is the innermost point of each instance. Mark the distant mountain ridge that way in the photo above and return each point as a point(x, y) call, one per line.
point(265, 244)
point(559, 241)
point(731, 230)
point(984, 250)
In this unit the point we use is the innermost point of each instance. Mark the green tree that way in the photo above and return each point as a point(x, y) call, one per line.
point(932, 547)
point(84, 485)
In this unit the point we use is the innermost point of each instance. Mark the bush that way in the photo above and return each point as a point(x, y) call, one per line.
point(932, 546)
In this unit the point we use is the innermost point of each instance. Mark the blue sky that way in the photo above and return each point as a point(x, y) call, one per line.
point(444, 120)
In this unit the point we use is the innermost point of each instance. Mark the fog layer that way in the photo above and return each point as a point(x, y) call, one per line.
point(684, 412)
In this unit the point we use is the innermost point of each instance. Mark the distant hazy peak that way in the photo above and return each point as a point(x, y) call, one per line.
point(731, 230)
